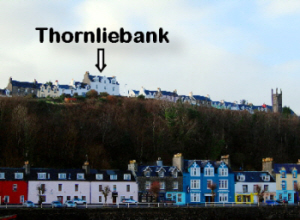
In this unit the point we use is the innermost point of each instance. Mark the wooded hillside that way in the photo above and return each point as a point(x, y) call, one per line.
point(115, 130)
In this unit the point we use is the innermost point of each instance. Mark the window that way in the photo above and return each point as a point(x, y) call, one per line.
point(104, 81)
point(26, 90)
point(76, 187)
point(113, 177)
point(266, 188)
point(71, 91)
point(147, 185)
point(195, 184)
point(15, 187)
point(162, 185)
point(161, 174)
point(209, 171)
point(6, 199)
point(282, 174)
point(48, 90)
point(131, 197)
point(83, 198)
point(96, 86)
point(174, 174)
point(290, 196)
point(100, 198)
point(105, 87)
point(59, 187)
point(114, 188)
point(283, 184)
point(223, 184)
point(100, 188)
point(254, 188)
point(223, 171)
point(179, 198)
point(32, 91)
point(195, 171)
point(223, 197)
point(175, 185)
point(42, 89)
point(99, 176)
point(75, 197)
point(208, 183)
point(68, 197)
point(128, 188)
point(18, 176)
point(62, 176)
point(2, 175)
point(21, 199)
point(80, 176)
point(127, 177)
point(147, 173)
point(245, 188)
point(195, 197)
point(294, 173)
point(280, 196)
point(41, 176)
point(113, 88)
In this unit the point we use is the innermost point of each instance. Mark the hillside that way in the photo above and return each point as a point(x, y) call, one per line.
point(112, 131)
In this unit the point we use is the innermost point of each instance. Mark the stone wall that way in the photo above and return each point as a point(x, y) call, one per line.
point(289, 212)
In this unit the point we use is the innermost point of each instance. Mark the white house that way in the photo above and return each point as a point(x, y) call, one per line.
point(247, 183)
point(121, 184)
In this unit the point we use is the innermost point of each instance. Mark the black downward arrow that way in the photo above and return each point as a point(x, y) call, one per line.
point(100, 60)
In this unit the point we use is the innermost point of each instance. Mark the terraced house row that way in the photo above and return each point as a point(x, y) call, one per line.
point(183, 182)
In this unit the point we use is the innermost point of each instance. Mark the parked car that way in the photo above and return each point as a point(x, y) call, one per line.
point(282, 201)
point(29, 204)
point(56, 204)
point(272, 202)
point(128, 201)
point(78, 201)
point(70, 204)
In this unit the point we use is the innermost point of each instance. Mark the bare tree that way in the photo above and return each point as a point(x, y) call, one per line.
point(212, 186)
point(106, 192)
point(260, 193)
point(41, 190)
point(154, 189)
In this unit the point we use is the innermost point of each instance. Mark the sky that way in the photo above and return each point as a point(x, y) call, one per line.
point(231, 49)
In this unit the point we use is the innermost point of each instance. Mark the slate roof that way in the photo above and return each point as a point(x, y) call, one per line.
point(155, 169)
point(202, 164)
point(254, 176)
point(71, 174)
point(65, 87)
point(82, 85)
point(2, 92)
point(147, 92)
point(287, 166)
point(91, 77)
point(25, 84)
point(166, 93)
point(201, 98)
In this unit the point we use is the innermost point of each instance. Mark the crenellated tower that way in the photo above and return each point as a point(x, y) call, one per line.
point(277, 101)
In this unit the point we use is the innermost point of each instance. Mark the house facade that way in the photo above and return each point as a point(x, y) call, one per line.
point(205, 180)
point(247, 184)
point(13, 187)
point(169, 179)
point(17, 88)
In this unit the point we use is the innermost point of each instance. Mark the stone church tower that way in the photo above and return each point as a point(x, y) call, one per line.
point(277, 101)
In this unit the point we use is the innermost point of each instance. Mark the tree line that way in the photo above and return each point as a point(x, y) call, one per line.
point(113, 130)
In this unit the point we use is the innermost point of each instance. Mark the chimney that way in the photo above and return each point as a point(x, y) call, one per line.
point(10, 80)
point(87, 73)
point(34, 81)
point(298, 163)
point(191, 94)
point(27, 167)
point(132, 166)
point(267, 164)
point(86, 167)
point(159, 162)
point(226, 159)
point(178, 161)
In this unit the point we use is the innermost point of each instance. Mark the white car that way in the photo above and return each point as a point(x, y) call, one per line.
point(128, 201)
point(79, 201)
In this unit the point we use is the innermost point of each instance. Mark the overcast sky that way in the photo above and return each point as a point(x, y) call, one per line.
point(231, 50)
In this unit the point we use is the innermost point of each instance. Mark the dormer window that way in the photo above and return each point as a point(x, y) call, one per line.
point(241, 177)
point(62, 176)
point(113, 177)
point(113, 81)
point(41, 176)
point(2, 175)
point(294, 173)
point(283, 173)
point(104, 81)
point(266, 178)
point(175, 174)
point(80, 176)
point(161, 174)
point(209, 171)
point(48, 90)
point(223, 171)
point(127, 177)
point(18, 176)
point(195, 171)
point(99, 176)
point(147, 173)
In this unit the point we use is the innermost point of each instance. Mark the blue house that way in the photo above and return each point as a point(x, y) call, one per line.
point(205, 180)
